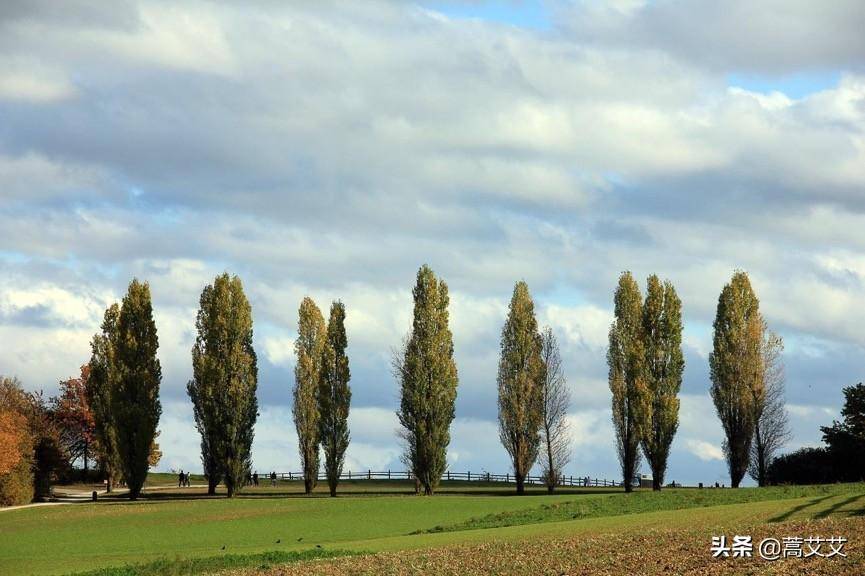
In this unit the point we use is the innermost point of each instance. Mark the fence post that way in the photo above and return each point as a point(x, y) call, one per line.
point(369, 474)
point(469, 476)
point(388, 474)
point(289, 475)
point(449, 474)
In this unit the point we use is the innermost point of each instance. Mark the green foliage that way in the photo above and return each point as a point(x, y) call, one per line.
point(224, 382)
point(211, 564)
point(309, 349)
point(100, 386)
point(737, 369)
point(521, 384)
point(845, 440)
point(626, 357)
point(134, 403)
point(428, 382)
point(664, 364)
point(334, 396)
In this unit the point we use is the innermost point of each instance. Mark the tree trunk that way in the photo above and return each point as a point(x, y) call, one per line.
point(656, 483)
point(307, 484)
point(520, 483)
point(212, 483)
point(552, 474)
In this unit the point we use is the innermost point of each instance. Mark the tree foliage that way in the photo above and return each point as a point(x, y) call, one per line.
point(664, 364)
point(334, 396)
point(626, 359)
point(99, 387)
point(224, 383)
point(309, 349)
point(16, 444)
point(521, 384)
point(428, 382)
point(736, 369)
point(771, 427)
point(134, 403)
point(75, 419)
point(555, 435)
point(845, 440)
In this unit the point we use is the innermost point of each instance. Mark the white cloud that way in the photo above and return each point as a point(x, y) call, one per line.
point(704, 450)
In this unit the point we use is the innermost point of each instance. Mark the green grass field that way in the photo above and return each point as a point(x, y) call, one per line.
point(173, 524)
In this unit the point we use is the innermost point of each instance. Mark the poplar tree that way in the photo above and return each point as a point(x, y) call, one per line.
point(100, 386)
point(224, 383)
point(428, 382)
point(626, 361)
point(736, 369)
point(771, 426)
point(521, 384)
point(135, 406)
point(309, 349)
point(664, 364)
point(334, 396)
point(555, 436)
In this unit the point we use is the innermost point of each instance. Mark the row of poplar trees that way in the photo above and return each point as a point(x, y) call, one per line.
point(533, 398)
point(322, 396)
point(645, 375)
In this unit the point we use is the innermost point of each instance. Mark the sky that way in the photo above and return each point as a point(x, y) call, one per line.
point(331, 148)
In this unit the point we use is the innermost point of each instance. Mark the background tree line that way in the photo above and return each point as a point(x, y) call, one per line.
point(108, 416)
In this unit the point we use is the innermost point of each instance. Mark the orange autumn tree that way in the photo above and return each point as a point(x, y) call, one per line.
point(75, 419)
point(13, 435)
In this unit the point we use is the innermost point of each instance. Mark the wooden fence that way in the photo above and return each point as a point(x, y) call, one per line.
point(576, 481)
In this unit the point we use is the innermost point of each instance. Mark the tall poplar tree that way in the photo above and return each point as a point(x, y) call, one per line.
point(334, 396)
point(664, 364)
point(428, 382)
point(771, 426)
point(626, 361)
point(135, 405)
point(555, 436)
point(521, 384)
point(736, 369)
point(224, 383)
point(309, 349)
point(100, 386)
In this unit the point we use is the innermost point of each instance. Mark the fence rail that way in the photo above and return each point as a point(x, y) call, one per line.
point(576, 481)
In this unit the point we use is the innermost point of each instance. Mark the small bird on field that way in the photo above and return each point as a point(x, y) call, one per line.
point(318, 545)
point(299, 539)
point(223, 547)
point(278, 541)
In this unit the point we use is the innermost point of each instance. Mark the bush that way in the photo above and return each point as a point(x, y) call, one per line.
point(16, 486)
point(804, 466)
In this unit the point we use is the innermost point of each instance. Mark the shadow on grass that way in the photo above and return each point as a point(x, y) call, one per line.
point(837, 506)
point(799, 508)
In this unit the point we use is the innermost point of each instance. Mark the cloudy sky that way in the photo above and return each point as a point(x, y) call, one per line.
point(331, 148)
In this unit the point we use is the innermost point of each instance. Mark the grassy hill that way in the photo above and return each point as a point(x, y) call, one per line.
point(270, 525)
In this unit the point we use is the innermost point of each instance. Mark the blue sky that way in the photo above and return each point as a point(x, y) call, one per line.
point(330, 152)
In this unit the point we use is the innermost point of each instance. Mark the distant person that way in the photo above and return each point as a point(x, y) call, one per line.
point(187, 480)
point(273, 478)
point(180, 479)
point(255, 478)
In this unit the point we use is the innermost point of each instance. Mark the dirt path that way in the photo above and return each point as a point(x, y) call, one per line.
point(78, 497)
